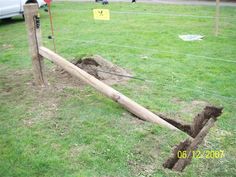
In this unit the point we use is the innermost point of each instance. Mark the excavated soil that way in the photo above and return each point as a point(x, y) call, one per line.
point(101, 69)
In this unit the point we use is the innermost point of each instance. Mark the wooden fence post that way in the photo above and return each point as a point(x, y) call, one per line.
point(34, 35)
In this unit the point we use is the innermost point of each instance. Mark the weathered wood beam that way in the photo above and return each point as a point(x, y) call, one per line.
point(182, 163)
point(124, 101)
point(34, 36)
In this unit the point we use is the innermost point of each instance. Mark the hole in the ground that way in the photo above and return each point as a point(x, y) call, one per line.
point(102, 69)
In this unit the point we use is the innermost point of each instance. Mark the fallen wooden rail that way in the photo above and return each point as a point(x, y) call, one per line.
point(126, 102)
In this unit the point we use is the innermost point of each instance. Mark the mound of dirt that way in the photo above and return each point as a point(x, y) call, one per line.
point(102, 69)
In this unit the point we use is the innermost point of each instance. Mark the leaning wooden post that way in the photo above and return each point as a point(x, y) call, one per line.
point(183, 162)
point(34, 35)
point(217, 17)
point(118, 97)
point(199, 129)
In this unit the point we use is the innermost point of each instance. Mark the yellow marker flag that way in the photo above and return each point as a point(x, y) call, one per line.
point(101, 14)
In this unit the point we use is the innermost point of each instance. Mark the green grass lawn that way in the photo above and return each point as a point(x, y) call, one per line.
point(65, 130)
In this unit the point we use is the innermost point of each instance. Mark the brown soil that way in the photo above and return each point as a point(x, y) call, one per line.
point(198, 122)
point(182, 146)
point(102, 69)
point(201, 119)
point(177, 123)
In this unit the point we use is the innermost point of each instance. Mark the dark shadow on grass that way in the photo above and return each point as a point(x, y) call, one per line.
point(11, 21)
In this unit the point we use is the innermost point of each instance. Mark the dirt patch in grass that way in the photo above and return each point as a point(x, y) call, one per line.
point(101, 69)
point(190, 107)
point(187, 109)
point(60, 80)
point(75, 150)
point(193, 106)
point(40, 103)
point(145, 156)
